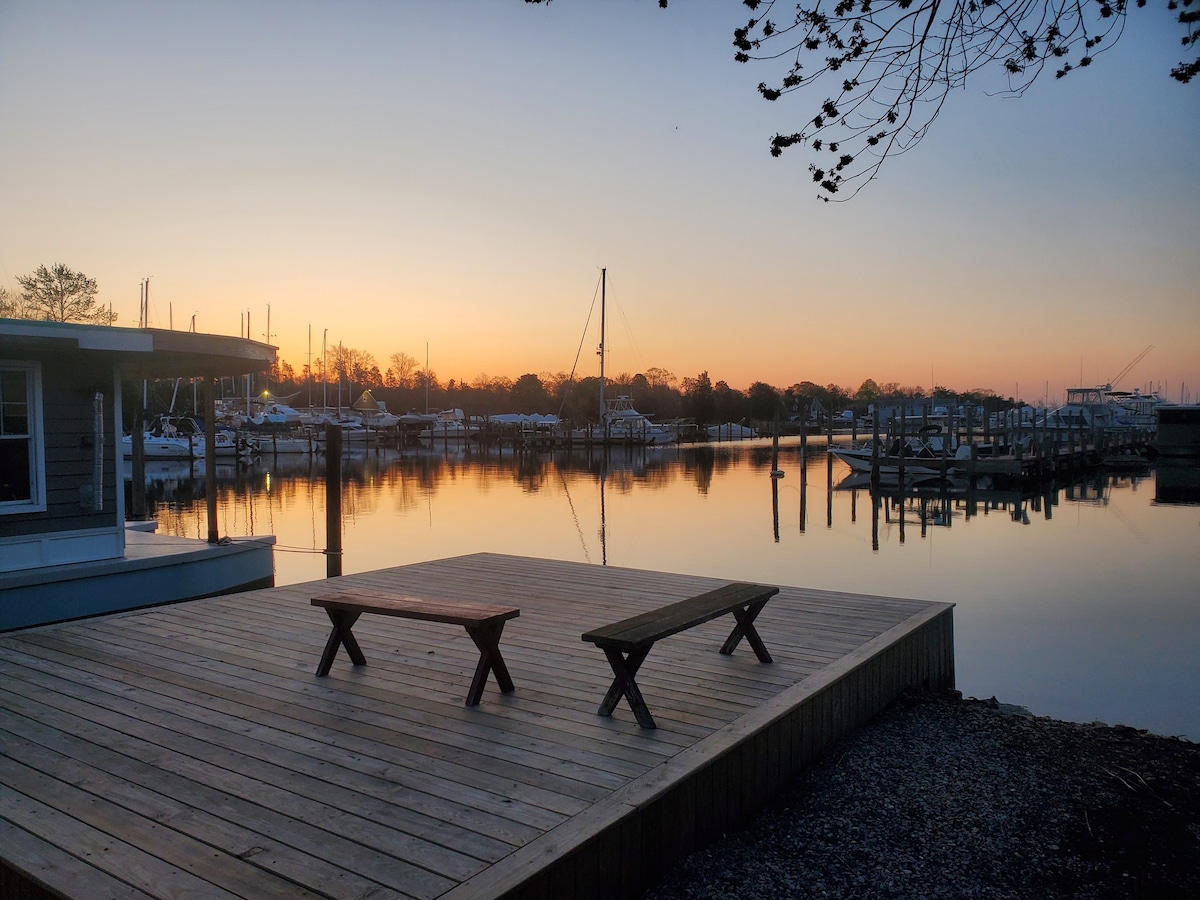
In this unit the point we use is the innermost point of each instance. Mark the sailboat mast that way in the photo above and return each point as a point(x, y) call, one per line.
point(603, 280)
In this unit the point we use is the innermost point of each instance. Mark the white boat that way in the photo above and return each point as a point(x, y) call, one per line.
point(302, 440)
point(619, 422)
point(166, 447)
point(448, 425)
point(730, 431)
point(275, 413)
point(374, 412)
point(622, 424)
point(181, 437)
point(1102, 407)
point(920, 455)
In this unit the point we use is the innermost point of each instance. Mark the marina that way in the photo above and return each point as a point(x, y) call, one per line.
point(177, 716)
point(191, 749)
point(1044, 575)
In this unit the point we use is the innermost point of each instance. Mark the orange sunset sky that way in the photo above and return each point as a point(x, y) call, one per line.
point(404, 176)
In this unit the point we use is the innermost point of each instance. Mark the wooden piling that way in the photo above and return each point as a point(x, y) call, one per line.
point(333, 501)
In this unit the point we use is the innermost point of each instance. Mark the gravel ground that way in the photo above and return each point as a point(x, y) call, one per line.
point(945, 797)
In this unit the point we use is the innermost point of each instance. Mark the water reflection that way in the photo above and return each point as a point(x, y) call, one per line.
point(1076, 599)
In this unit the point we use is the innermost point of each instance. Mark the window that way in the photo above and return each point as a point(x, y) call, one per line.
point(22, 483)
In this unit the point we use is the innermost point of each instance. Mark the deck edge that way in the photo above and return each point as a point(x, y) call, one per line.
point(687, 802)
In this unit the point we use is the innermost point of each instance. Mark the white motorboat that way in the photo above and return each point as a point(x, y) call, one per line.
point(448, 425)
point(622, 424)
point(730, 431)
point(181, 437)
point(919, 455)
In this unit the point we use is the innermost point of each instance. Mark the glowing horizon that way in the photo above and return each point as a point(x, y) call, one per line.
point(334, 164)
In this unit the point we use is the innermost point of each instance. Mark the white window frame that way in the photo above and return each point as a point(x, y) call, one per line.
point(36, 438)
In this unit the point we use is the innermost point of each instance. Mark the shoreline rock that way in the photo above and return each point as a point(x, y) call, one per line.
point(945, 797)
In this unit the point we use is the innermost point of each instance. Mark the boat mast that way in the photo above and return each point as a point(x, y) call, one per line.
point(603, 278)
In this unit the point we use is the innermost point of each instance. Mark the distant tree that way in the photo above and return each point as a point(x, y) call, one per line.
point(11, 306)
point(764, 401)
point(868, 392)
point(699, 401)
point(58, 294)
point(355, 367)
point(529, 395)
point(729, 405)
point(660, 377)
point(283, 372)
point(402, 366)
point(426, 384)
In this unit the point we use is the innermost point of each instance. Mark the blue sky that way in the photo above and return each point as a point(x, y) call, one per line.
point(452, 175)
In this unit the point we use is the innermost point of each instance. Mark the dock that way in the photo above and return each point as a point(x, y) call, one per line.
point(154, 569)
point(191, 750)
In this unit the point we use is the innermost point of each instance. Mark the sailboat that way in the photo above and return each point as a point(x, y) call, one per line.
point(619, 422)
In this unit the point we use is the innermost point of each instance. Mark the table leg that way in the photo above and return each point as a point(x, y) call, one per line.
point(624, 669)
point(745, 628)
point(340, 635)
point(487, 639)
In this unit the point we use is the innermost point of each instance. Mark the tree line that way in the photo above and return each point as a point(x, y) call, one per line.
point(345, 373)
point(58, 294)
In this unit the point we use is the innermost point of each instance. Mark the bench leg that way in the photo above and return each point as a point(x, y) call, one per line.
point(488, 641)
point(745, 628)
point(342, 623)
point(624, 669)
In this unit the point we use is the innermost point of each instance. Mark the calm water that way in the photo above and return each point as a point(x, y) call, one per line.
point(1082, 605)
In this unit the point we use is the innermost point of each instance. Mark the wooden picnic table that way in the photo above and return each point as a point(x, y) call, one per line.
point(484, 622)
point(627, 643)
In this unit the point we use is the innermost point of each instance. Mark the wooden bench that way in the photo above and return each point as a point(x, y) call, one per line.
point(627, 643)
point(484, 623)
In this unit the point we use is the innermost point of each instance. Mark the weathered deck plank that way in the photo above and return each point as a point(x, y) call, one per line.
point(191, 747)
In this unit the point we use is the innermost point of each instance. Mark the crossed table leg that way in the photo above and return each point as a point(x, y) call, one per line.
point(745, 616)
point(625, 665)
point(487, 639)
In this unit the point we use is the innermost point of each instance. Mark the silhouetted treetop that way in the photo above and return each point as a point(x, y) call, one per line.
point(877, 72)
point(886, 68)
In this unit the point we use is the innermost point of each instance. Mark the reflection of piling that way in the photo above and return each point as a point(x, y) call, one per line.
point(210, 455)
point(333, 501)
point(875, 450)
point(137, 439)
point(775, 507)
point(803, 496)
point(829, 489)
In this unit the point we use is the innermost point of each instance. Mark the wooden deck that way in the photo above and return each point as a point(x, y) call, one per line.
point(190, 749)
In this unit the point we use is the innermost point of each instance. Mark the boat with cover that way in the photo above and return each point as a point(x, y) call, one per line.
point(730, 431)
point(182, 437)
point(448, 425)
point(921, 454)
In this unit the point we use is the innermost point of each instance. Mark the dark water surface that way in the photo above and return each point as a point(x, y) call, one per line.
point(1082, 604)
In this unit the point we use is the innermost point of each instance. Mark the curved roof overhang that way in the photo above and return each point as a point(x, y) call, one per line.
point(141, 352)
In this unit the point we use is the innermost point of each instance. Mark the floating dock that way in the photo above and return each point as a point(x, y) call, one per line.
point(191, 750)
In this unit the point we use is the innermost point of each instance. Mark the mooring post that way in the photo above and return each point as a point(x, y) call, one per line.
point(137, 438)
point(875, 449)
point(210, 455)
point(333, 501)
